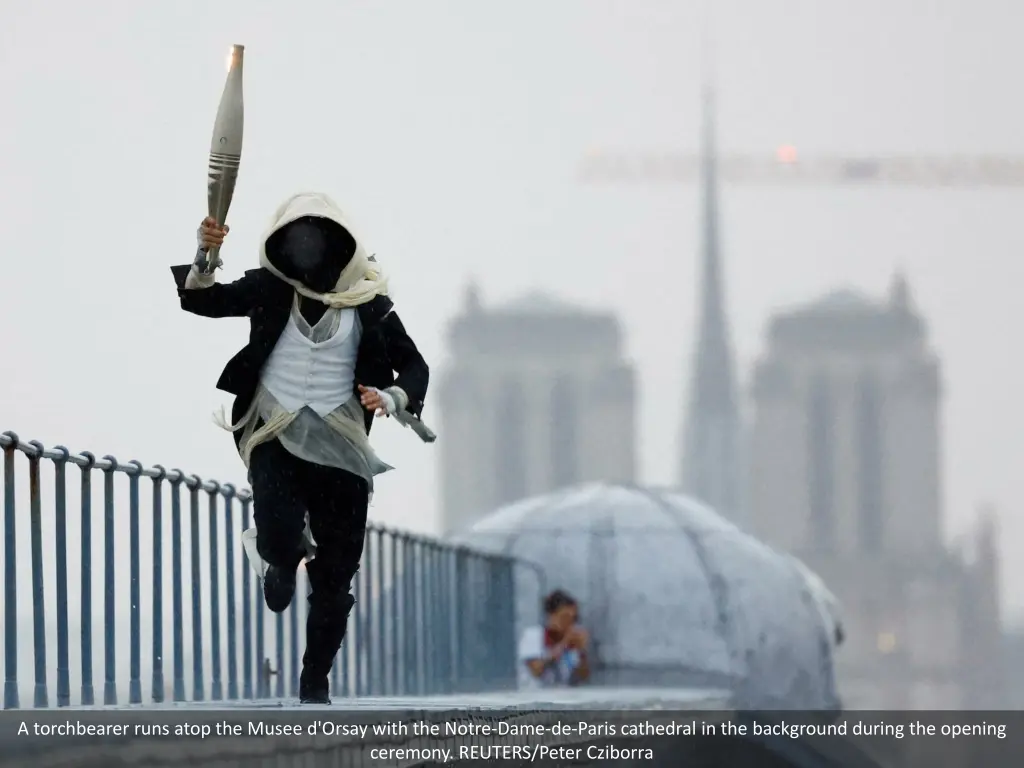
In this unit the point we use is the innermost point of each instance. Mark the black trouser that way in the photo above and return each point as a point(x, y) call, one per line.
point(284, 489)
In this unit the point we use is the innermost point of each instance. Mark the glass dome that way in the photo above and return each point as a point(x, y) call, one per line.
point(671, 593)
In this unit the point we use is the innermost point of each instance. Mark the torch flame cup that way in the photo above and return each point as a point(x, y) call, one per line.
point(225, 149)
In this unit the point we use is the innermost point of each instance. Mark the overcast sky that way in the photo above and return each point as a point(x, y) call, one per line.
point(451, 131)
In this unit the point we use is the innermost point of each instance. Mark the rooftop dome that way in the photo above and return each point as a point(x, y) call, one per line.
point(672, 593)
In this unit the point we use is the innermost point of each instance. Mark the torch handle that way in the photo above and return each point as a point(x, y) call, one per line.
point(212, 261)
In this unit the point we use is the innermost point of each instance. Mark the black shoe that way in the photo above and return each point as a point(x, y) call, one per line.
point(278, 588)
point(313, 690)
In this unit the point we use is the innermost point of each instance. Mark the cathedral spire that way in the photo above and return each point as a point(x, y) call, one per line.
point(712, 429)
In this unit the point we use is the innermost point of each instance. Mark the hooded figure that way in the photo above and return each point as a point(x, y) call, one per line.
point(324, 348)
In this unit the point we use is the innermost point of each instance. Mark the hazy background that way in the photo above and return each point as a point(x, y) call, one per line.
point(452, 131)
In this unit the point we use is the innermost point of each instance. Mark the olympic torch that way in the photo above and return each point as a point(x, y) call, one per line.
point(225, 153)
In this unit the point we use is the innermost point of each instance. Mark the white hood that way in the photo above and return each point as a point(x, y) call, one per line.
point(359, 281)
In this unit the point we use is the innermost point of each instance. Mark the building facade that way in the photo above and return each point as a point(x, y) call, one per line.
point(537, 396)
point(1013, 655)
point(846, 474)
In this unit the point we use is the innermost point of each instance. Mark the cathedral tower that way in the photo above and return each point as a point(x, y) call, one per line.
point(711, 433)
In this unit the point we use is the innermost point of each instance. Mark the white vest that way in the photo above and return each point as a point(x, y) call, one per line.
point(300, 373)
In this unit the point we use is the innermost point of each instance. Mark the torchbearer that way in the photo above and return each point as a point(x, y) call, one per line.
point(325, 345)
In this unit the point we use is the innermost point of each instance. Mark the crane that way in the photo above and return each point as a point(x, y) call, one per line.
point(787, 167)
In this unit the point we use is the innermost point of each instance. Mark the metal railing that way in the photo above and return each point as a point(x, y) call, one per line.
point(430, 618)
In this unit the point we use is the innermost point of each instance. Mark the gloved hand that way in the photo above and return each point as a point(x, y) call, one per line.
point(383, 402)
point(209, 235)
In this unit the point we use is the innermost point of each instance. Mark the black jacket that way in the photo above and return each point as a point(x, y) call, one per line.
point(266, 300)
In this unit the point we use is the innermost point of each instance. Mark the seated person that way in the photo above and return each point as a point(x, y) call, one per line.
point(555, 654)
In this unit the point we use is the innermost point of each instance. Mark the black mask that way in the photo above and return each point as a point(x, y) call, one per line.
point(304, 245)
point(311, 250)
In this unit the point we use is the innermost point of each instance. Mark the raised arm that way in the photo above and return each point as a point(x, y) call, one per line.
point(217, 299)
point(201, 294)
point(579, 640)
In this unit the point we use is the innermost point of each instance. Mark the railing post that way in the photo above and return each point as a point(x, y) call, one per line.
point(135, 614)
point(409, 666)
point(216, 684)
point(229, 494)
point(85, 578)
point(60, 462)
point(431, 595)
point(158, 584)
point(247, 656)
point(109, 584)
point(448, 607)
point(462, 646)
point(256, 595)
point(422, 655)
point(390, 604)
point(366, 637)
point(379, 615)
point(177, 575)
point(40, 698)
point(10, 577)
point(193, 483)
